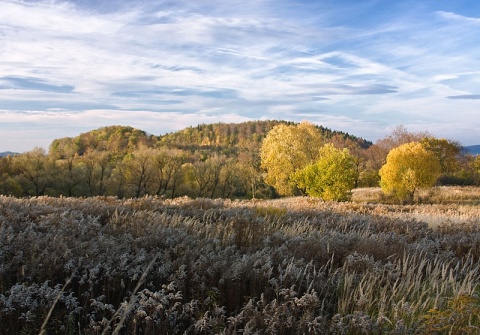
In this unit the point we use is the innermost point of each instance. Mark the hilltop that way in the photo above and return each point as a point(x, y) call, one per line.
point(225, 138)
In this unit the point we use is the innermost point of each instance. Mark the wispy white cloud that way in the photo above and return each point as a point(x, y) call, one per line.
point(465, 96)
point(138, 63)
point(460, 18)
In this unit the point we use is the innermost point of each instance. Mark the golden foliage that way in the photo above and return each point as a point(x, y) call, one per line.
point(408, 168)
point(285, 149)
point(461, 316)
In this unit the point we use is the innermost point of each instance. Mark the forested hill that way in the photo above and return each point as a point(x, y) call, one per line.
point(115, 139)
point(224, 138)
point(233, 135)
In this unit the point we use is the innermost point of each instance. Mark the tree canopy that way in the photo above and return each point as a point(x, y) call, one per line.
point(331, 177)
point(446, 151)
point(409, 167)
point(118, 140)
point(286, 149)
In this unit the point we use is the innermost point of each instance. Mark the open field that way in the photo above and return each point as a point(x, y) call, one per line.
point(287, 266)
point(456, 195)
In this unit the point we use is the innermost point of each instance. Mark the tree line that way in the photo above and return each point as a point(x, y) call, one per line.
point(257, 159)
point(298, 160)
point(144, 171)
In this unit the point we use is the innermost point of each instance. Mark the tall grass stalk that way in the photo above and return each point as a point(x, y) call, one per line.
point(286, 266)
point(131, 301)
point(411, 285)
point(50, 311)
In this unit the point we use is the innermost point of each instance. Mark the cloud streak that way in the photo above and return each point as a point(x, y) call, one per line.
point(465, 97)
point(34, 84)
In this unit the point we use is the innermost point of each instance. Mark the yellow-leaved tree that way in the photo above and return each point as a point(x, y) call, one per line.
point(286, 149)
point(331, 177)
point(408, 168)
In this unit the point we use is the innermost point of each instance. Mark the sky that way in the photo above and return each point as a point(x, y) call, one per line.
point(359, 66)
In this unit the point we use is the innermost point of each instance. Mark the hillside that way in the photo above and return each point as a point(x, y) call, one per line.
point(115, 139)
point(214, 160)
point(225, 138)
point(229, 136)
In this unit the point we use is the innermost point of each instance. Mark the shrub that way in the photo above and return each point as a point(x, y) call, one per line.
point(408, 168)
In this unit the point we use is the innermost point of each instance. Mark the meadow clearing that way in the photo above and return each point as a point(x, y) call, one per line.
point(299, 265)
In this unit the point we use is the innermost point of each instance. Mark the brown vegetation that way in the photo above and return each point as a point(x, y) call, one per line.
point(288, 266)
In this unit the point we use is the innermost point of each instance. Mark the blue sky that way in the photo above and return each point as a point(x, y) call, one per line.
point(360, 66)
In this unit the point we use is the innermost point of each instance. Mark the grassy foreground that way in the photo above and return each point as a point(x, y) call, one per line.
point(289, 266)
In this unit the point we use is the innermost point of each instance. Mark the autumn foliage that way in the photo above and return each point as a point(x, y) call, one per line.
point(331, 177)
point(287, 149)
point(408, 168)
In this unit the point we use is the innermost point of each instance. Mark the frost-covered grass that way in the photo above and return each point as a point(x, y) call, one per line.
point(289, 266)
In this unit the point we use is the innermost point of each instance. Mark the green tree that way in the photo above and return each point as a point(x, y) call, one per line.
point(286, 149)
point(446, 151)
point(331, 177)
point(9, 185)
point(358, 153)
point(167, 166)
point(408, 168)
point(34, 170)
point(139, 171)
point(97, 168)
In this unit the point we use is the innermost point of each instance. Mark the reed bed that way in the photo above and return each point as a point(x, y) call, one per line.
point(203, 266)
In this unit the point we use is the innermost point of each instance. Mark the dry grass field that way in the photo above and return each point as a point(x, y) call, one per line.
point(439, 205)
point(202, 266)
point(456, 195)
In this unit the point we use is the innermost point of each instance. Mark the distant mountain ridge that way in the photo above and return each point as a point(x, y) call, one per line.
point(8, 153)
point(473, 149)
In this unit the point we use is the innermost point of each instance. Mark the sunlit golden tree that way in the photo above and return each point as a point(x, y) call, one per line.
point(408, 168)
point(286, 149)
